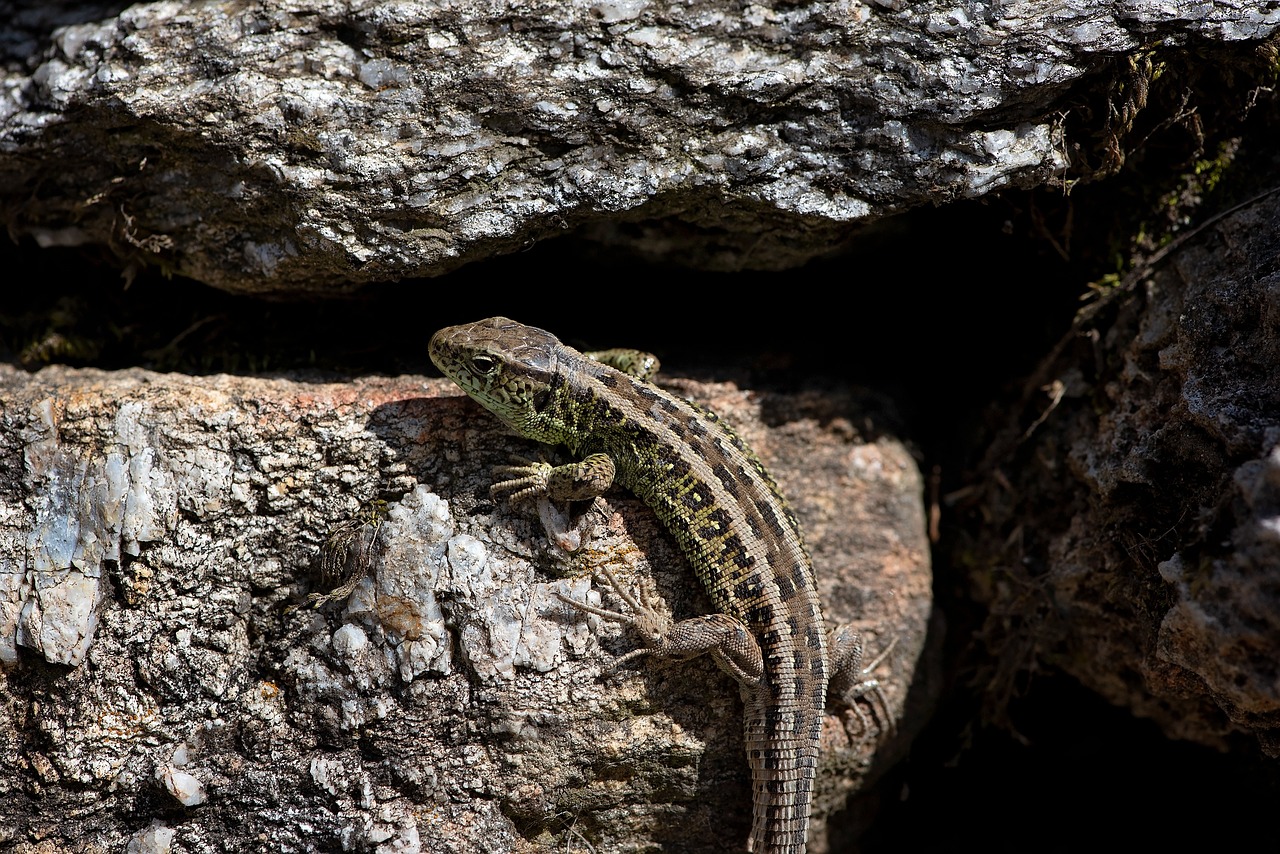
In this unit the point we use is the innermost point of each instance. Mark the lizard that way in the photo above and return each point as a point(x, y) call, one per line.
point(712, 493)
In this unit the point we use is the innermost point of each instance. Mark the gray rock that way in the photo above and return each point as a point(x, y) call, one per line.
point(318, 145)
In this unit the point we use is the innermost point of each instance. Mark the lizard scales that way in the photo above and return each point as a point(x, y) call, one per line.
point(724, 510)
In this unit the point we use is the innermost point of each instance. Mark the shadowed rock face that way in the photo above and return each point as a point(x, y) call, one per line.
point(1136, 545)
point(155, 527)
point(312, 146)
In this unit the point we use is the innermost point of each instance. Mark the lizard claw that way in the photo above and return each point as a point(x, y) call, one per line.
point(648, 620)
point(528, 480)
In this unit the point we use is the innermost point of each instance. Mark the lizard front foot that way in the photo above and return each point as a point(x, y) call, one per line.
point(554, 488)
point(526, 479)
point(580, 481)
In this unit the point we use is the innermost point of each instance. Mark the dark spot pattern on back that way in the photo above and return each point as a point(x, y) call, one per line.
point(669, 406)
point(677, 468)
point(785, 588)
point(771, 519)
point(800, 578)
point(718, 518)
point(693, 499)
point(726, 478)
point(748, 590)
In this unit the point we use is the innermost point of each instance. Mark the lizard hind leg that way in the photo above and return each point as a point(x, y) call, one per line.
point(850, 681)
point(725, 638)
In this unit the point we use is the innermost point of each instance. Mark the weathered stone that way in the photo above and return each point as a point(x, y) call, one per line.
point(315, 144)
point(451, 697)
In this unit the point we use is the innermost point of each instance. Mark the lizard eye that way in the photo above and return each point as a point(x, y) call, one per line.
point(484, 364)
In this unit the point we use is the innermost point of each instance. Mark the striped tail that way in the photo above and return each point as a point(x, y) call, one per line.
point(782, 750)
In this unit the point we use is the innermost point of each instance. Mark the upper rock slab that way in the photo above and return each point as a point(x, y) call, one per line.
point(312, 146)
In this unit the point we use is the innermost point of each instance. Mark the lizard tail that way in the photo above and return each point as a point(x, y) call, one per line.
point(782, 749)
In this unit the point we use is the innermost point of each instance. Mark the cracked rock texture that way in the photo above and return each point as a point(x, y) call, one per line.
point(159, 694)
point(297, 146)
point(1135, 540)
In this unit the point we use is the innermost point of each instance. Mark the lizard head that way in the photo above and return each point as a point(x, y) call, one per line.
point(506, 367)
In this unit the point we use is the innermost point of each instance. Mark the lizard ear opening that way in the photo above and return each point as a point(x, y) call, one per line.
point(541, 399)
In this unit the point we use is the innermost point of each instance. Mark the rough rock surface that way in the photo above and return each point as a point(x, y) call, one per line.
point(309, 145)
point(1133, 538)
point(155, 527)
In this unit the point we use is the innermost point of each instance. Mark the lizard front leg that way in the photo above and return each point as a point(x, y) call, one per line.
point(580, 481)
point(553, 487)
point(725, 638)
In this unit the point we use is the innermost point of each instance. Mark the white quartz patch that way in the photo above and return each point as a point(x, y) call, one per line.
point(89, 508)
point(184, 787)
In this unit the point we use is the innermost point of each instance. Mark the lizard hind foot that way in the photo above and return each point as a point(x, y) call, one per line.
point(651, 623)
point(850, 681)
point(725, 638)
